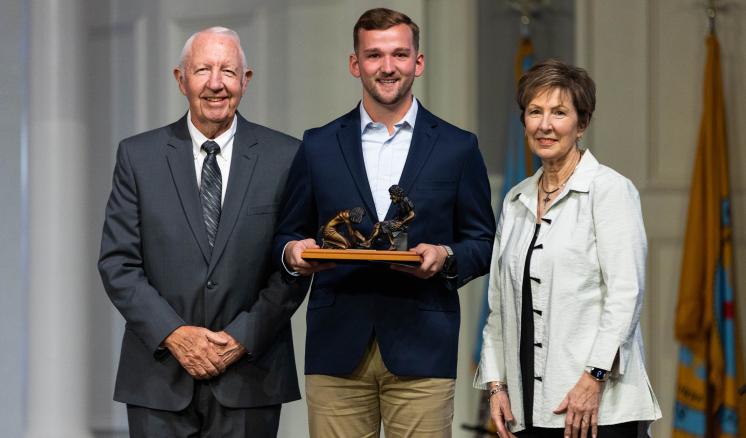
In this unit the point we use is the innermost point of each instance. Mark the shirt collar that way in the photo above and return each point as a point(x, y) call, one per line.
point(223, 140)
point(581, 179)
point(409, 118)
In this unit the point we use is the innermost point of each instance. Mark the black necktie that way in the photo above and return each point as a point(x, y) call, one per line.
point(210, 190)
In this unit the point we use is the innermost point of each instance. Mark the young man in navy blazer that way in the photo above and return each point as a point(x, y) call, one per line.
point(382, 340)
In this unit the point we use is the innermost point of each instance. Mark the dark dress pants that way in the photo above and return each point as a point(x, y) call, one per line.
point(204, 418)
point(623, 430)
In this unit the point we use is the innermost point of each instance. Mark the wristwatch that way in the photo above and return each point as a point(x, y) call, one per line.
point(598, 374)
point(449, 266)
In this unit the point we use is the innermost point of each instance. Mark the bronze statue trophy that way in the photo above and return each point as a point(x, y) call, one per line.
point(341, 242)
point(332, 238)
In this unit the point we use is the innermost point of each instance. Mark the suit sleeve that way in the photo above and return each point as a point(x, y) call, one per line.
point(298, 208)
point(474, 221)
point(120, 262)
point(257, 329)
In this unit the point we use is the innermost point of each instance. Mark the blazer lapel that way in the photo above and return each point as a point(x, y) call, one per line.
point(352, 150)
point(242, 168)
point(180, 159)
point(423, 141)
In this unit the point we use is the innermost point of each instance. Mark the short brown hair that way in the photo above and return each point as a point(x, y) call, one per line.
point(554, 73)
point(382, 19)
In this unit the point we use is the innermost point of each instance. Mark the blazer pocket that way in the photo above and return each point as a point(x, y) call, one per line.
point(321, 298)
point(262, 209)
point(436, 186)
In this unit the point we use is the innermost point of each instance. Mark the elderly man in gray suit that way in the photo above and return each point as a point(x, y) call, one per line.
point(185, 257)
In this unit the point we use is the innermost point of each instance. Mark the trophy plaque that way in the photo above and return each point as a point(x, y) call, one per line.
point(370, 255)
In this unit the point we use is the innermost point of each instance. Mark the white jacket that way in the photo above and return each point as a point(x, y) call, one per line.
point(591, 268)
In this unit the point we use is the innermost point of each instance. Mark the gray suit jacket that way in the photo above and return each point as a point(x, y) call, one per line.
point(157, 268)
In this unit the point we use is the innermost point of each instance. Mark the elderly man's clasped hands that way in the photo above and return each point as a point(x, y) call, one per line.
point(203, 353)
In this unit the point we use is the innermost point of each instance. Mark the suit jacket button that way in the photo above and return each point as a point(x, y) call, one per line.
point(211, 284)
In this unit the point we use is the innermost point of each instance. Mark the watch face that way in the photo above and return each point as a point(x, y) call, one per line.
point(598, 373)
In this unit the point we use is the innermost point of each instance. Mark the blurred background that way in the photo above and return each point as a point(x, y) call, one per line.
point(77, 76)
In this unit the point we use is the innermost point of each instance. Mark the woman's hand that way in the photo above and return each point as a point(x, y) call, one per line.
point(581, 405)
point(501, 413)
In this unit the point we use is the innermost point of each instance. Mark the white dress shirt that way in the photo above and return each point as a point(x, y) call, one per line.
point(589, 269)
point(224, 140)
point(385, 154)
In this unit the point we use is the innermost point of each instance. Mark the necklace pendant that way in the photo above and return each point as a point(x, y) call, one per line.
point(546, 199)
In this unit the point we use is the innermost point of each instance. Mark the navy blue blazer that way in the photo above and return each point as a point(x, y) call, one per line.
point(415, 322)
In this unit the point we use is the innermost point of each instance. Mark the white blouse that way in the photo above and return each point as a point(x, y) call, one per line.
point(588, 267)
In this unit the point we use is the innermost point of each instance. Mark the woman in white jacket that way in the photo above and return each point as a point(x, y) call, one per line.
point(562, 353)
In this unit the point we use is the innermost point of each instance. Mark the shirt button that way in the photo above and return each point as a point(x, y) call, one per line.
point(211, 284)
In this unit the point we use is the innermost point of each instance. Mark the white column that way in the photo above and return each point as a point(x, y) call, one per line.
point(451, 93)
point(59, 255)
point(450, 37)
point(12, 260)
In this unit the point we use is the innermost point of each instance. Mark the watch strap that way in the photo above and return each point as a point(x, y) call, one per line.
point(449, 266)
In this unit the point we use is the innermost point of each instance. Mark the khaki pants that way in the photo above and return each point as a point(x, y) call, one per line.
point(354, 406)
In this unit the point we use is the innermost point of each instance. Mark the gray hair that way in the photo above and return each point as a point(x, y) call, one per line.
point(186, 51)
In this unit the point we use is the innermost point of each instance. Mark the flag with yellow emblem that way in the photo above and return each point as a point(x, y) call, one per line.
point(710, 368)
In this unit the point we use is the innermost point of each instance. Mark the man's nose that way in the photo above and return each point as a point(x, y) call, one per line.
point(388, 65)
point(216, 80)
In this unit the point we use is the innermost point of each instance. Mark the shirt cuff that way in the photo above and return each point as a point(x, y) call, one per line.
point(282, 260)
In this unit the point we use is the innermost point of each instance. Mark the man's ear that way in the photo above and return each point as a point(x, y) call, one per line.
point(247, 75)
point(179, 76)
point(419, 64)
point(354, 65)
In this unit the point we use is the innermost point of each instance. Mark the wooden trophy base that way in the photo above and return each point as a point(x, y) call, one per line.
point(361, 255)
